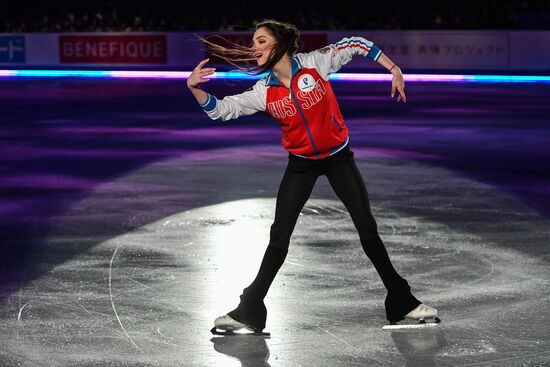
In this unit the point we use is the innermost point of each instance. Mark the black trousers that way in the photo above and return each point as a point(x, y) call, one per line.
point(296, 186)
point(346, 180)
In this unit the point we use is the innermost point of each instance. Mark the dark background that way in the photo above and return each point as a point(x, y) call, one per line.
point(164, 15)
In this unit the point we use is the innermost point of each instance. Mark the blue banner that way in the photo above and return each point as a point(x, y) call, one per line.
point(12, 49)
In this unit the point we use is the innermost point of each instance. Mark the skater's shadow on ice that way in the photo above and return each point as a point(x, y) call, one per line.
point(419, 348)
point(250, 350)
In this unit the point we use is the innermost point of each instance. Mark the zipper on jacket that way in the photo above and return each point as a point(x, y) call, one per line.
point(304, 120)
point(336, 122)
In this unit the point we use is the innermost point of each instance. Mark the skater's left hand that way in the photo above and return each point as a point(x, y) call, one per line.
point(398, 84)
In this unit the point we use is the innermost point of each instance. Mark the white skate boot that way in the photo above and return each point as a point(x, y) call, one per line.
point(226, 325)
point(421, 313)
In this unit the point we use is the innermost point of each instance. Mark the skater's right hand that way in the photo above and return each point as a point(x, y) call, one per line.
point(196, 77)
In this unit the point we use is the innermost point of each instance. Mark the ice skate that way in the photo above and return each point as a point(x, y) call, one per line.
point(248, 318)
point(226, 325)
point(424, 314)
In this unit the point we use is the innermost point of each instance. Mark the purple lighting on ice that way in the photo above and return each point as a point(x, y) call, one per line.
point(151, 74)
point(141, 74)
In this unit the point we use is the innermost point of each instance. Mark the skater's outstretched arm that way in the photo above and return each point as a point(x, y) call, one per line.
point(397, 83)
point(230, 107)
point(198, 77)
point(331, 58)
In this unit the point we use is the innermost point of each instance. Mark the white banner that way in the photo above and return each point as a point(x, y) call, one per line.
point(436, 50)
point(447, 49)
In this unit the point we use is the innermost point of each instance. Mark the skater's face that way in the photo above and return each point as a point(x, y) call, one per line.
point(263, 43)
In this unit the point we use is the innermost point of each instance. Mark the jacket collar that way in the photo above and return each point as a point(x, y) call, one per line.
point(296, 67)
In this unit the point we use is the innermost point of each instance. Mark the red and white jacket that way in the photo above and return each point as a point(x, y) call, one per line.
point(307, 112)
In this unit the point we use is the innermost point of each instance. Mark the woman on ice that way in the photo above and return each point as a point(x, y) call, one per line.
point(296, 92)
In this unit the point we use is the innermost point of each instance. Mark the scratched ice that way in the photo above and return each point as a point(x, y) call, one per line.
point(149, 296)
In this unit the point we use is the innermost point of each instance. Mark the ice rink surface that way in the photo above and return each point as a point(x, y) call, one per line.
point(130, 221)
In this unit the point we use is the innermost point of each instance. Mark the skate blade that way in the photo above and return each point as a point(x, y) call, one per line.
point(243, 331)
point(420, 325)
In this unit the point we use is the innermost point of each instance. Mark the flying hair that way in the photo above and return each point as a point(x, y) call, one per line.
point(286, 36)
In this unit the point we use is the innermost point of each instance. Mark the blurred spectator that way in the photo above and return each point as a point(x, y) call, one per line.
point(215, 15)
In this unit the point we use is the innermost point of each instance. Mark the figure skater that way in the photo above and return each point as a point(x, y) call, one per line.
point(296, 92)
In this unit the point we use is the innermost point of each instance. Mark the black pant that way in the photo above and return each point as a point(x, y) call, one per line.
point(344, 177)
point(294, 191)
point(296, 186)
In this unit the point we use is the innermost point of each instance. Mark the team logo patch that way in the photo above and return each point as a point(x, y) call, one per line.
point(306, 83)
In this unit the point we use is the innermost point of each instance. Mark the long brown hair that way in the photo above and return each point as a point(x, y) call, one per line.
point(286, 41)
